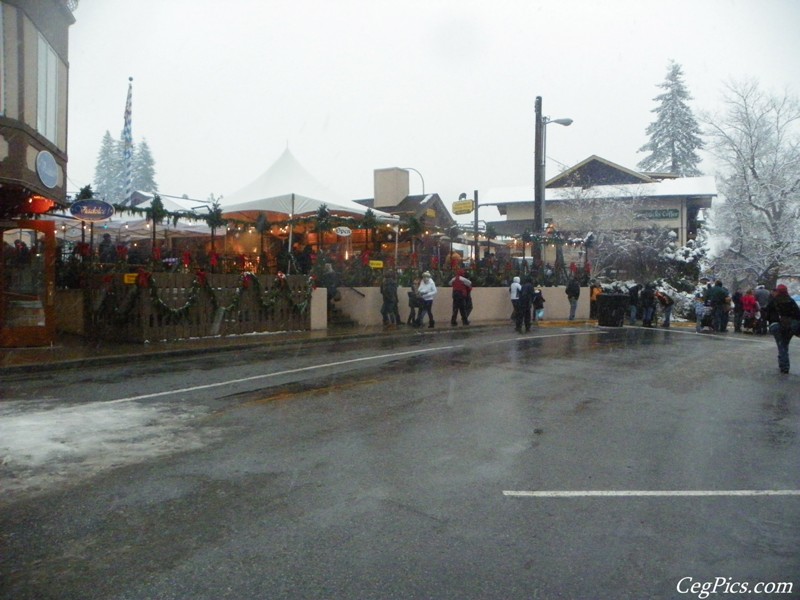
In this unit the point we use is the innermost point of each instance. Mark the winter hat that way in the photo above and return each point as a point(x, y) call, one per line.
point(782, 290)
point(516, 280)
point(426, 274)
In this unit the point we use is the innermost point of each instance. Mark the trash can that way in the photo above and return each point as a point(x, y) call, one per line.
point(611, 309)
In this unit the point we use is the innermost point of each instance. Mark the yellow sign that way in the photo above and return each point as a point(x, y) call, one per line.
point(430, 213)
point(129, 278)
point(462, 207)
point(376, 264)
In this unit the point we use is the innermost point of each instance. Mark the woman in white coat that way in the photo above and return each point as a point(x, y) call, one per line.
point(426, 291)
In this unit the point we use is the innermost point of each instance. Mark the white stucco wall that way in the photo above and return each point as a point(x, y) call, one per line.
point(489, 304)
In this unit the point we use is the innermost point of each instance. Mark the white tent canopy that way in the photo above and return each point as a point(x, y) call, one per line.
point(286, 188)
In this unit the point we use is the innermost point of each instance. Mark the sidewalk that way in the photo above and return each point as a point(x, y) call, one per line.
point(71, 351)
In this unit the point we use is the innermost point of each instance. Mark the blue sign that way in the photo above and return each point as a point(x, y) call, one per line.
point(47, 169)
point(91, 210)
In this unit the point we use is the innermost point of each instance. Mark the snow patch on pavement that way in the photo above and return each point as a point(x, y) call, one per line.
point(48, 445)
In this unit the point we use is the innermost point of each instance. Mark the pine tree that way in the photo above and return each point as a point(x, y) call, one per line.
point(110, 177)
point(675, 134)
point(144, 172)
point(108, 171)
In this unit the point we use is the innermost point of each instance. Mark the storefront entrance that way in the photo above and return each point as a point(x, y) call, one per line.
point(27, 278)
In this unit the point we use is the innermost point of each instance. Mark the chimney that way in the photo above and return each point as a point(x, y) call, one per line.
point(391, 187)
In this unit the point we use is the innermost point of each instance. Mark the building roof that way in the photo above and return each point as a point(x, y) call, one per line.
point(601, 178)
point(417, 205)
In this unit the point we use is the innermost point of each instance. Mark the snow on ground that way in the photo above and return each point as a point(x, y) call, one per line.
point(43, 445)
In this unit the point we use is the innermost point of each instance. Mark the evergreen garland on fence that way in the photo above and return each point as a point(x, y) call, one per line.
point(300, 300)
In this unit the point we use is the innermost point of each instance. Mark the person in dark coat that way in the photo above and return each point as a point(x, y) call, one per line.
point(738, 310)
point(106, 249)
point(719, 300)
point(389, 308)
point(783, 316)
point(633, 302)
point(573, 292)
point(524, 305)
point(330, 281)
point(648, 300)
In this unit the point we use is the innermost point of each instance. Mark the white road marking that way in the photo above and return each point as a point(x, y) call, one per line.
point(522, 336)
point(279, 373)
point(322, 366)
point(656, 493)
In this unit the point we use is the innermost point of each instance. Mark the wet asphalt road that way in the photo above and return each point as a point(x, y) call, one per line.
point(380, 469)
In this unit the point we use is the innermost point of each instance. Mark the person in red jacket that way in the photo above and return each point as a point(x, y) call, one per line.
point(750, 309)
point(461, 288)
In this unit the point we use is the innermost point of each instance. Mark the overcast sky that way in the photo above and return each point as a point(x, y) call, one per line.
point(446, 87)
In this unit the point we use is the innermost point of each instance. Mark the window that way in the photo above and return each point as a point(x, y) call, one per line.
point(47, 107)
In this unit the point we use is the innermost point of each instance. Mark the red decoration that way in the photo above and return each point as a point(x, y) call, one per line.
point(202, 278)
point(83, 249)
point(143, 279)
point(214, 259)
point(157, 253)
point(187, 258)
point(122, 252)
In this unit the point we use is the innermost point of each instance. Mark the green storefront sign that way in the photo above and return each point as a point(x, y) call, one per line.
point(663, 213)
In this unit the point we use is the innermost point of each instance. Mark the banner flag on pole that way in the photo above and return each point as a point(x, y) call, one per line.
point(127, 144)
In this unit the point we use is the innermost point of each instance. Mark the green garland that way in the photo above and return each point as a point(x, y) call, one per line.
point(300, 300)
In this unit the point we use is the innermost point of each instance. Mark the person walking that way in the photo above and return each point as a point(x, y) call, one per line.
point(783, 316)
point(573, 291)
point(461, 287)
point(427, 292)
point(389, 307)
point(513, 294)
point(524, 304)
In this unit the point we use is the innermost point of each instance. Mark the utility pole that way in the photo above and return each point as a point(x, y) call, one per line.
point(538, 184)
point(475, 231)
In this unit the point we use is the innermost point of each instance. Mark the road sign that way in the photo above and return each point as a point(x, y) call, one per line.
point(462, 207)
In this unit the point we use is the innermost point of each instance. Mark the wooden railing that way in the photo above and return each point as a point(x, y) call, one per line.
point(172, 306)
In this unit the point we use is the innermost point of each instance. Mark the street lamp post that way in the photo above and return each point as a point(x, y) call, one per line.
point(420, 176)
point(540, 151)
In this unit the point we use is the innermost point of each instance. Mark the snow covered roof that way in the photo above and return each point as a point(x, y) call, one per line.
point(679, 187)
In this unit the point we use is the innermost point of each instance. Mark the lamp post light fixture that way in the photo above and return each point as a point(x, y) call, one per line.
point(540, 151)
point(420, 176)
